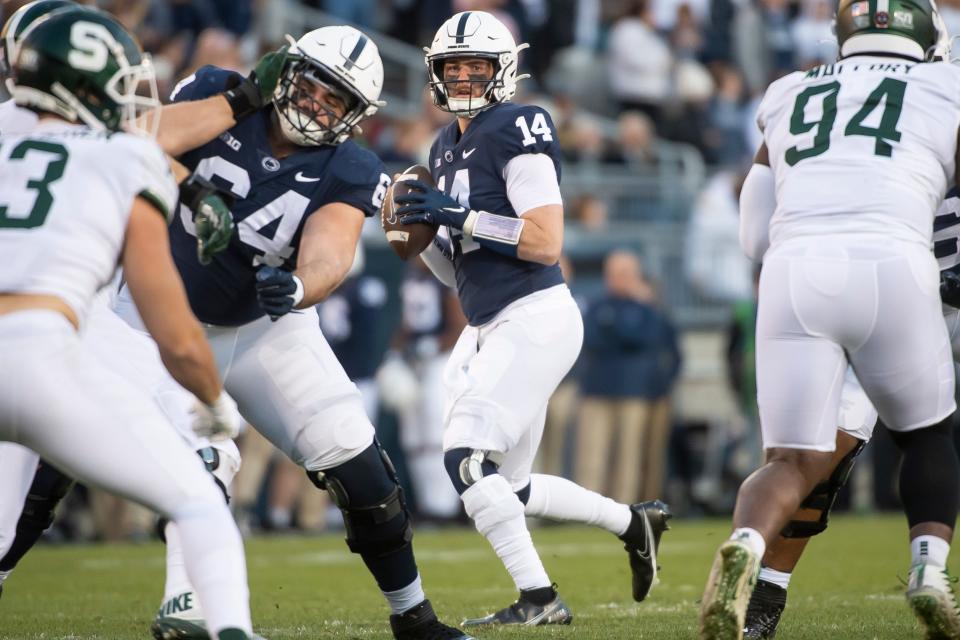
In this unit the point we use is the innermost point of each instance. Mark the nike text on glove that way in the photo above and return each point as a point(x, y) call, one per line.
point(425, 204)
point(248, 95)
point(278, 291)
point(211, 216)
point(215, 421)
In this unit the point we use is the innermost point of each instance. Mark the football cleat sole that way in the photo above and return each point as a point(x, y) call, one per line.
point(170, 628)
point(935, 612)
point(556, 613)
point(729, 587)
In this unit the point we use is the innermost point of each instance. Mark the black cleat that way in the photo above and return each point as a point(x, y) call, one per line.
point(642, 543)
point(524, 612)
point(763, 613)
point(421, 623)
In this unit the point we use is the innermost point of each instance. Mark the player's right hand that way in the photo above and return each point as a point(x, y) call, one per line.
point(250, 94)
point(215, 421)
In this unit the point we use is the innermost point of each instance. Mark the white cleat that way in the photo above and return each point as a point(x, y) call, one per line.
point(723, 609)
point(930, 594)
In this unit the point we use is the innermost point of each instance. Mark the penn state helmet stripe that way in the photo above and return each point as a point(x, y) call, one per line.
point(357, 50)
point(462, 27)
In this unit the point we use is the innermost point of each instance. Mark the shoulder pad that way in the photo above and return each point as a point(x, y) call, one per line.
point(148, 171)
point(358, 178)
point(517, 129)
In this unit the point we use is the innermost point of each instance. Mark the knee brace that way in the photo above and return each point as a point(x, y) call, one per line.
point(466, 466)
point(490, 501)
point(48, 489)
point(822, 498)
point(367, 491)
point(220, 469)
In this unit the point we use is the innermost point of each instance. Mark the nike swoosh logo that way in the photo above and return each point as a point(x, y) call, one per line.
point(302, 178)
point(466, 154)
point(452, 210)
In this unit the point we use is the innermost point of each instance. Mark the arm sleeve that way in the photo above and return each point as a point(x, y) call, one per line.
point(531, 182)
point(204, 82)
point(758, 201)
point(435, 257)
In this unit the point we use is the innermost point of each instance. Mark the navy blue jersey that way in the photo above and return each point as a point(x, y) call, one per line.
point(348, 319)
point(423, 313)
point(946, 231)
point(273, 199)
point(470, 169)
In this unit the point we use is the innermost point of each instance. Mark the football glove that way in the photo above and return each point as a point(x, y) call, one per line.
point(211, 216)
point(397, 383)
point(950, 288)
point(250, 94)
point(278, 291)
point(426, 204)
point(215, 421)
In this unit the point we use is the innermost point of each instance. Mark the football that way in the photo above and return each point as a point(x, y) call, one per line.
point(407, 240)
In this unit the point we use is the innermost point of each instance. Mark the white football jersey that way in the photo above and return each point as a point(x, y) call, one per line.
point(865, 145)
point(14, 119)
point(65, 198)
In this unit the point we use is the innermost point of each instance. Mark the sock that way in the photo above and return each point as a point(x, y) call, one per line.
point(402, 600)
point(213, 553)
point(929, 550)
point(499, 516)
point(177, 581)
point(751, 538)
point(541, 597)
point(779, 578)
point(560, 499)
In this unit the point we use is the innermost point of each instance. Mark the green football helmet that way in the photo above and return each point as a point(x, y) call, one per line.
point(84, 67)
point(907, 28)
point(18, 22)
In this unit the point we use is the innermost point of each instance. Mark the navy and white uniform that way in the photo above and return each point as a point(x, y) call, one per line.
point(424, 319)
point(348, 319)
point(525, 330)
point(283, 375)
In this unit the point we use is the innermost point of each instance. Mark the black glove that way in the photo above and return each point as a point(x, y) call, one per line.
point(950, 287)
point(250, 94)
point(211, 216)
point(278, 291)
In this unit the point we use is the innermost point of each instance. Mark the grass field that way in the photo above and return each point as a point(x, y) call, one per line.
point(849, 586)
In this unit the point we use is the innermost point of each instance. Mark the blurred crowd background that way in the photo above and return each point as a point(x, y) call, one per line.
point(654, 103)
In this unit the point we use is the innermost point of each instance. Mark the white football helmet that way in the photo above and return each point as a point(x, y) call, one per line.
point(474, 34)
point(345, 62)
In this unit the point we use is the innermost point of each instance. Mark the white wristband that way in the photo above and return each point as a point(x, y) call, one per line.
point(490, 226)
point(298, 294)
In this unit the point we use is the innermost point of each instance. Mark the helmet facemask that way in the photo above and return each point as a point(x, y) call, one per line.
point(443, 89)
point(302, 116)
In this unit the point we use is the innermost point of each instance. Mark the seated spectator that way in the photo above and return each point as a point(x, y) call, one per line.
point(637, 139)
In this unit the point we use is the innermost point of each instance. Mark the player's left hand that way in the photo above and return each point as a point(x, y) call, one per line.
point(426, 204)
point(248, 95)
point(278, 291)
point(214, 226)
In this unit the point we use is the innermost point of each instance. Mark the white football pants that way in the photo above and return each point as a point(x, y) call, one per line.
point(871, 302)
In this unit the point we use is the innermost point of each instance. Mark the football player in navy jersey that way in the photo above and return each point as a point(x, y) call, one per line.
point(302, 189)
point(498, 205)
